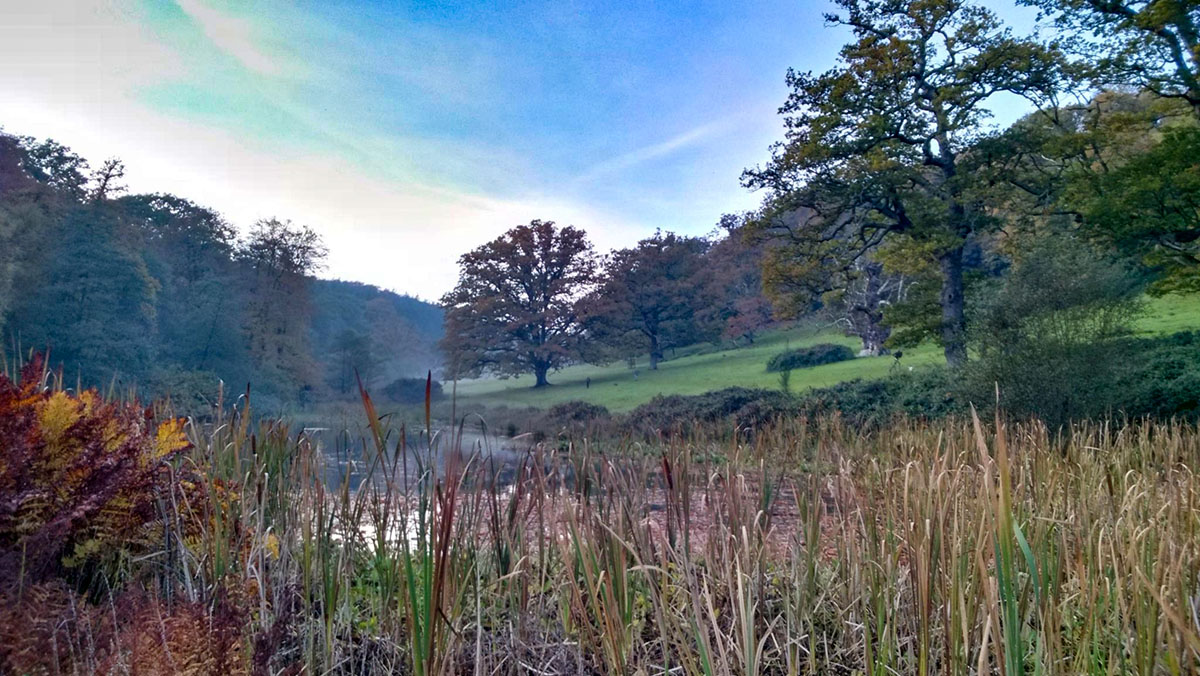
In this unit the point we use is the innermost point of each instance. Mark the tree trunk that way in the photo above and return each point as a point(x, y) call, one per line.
point(954, 324)
point(539, 372)
point(872, 344)
point(655, 353)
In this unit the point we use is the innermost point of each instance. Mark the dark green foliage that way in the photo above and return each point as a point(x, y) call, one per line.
point(927, 393)
point(804, 357)
point(1159, 378)
point(87, 297)
point(1147, 207)
point(575, 413)
point(740, 406)
point(190, 393)
point(156, 293)
point(1050, 335)
point(412, 390)
point(1168, 380)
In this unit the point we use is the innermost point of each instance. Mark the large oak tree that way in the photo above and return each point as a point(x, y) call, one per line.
point(514, 309)
point(650, 296)
point(876, 148)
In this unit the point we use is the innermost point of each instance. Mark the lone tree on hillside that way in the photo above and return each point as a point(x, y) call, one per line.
point(877, 147)
point(514, 309)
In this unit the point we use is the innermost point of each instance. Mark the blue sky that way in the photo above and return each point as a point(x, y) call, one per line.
point(408, 133)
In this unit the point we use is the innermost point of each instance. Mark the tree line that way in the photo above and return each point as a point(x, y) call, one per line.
point(894, 205)
point(539, 297)
point(156, 293)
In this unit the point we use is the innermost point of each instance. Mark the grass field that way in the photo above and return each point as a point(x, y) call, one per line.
point(699, 370)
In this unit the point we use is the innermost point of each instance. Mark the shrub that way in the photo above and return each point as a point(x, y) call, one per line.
point(79, 477)
point(411, 391)
point(1168, 377)
point(927, 394)
point(743, 406)
point(1053, 335)
point(576, 412)
point(804, 357)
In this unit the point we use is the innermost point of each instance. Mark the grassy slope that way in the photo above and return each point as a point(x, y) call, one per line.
point(614, 385)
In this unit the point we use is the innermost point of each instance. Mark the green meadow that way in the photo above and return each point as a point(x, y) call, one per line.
point(700, 369)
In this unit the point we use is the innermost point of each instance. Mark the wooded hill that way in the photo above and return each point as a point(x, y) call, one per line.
point(157, 294)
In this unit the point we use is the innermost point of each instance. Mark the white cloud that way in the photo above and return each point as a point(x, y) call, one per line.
point(73, 72)
point(231, 35)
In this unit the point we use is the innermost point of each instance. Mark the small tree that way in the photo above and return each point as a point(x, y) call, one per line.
point(514, 309)
point(106, 180)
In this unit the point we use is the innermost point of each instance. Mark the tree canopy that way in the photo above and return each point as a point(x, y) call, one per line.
point(156, 293)
point(1152, 45)
point(651, 295)
point(877, 148)
point(515, 308)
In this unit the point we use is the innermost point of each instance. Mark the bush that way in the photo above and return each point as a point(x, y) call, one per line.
point(743, 406)
point(804, 357)
point(411, 391)
point(1168, 377)
point(1053, 336)
point(572, 418)
point(576, 412)
point(927, 394)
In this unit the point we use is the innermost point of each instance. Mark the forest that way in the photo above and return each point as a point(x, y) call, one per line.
point(157, 296)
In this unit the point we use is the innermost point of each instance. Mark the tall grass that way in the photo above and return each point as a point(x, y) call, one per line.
point(808, 548)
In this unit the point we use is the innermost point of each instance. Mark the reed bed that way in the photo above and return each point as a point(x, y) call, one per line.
point(811, 547)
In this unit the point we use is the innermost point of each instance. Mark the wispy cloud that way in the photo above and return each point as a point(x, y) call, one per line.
point(232, 35)
point(655, 151)
point(406, 133)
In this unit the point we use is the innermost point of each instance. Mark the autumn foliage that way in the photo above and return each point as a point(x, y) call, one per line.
point(78, 477)
point(83, 482)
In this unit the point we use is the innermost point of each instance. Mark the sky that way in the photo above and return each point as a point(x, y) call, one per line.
point(408, 133)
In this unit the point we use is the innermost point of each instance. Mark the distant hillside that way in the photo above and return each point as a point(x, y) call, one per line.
point(400, 333)
point(157, 294)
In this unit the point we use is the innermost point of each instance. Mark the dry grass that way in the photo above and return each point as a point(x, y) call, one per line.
point(955, 548)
